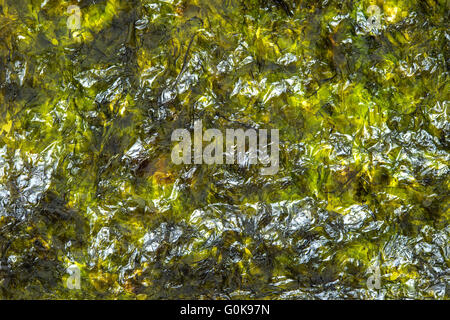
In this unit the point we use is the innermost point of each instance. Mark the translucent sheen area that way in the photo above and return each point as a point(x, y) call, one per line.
point(86, 177)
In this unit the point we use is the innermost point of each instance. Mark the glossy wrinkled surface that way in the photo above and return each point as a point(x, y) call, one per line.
point(86, 177)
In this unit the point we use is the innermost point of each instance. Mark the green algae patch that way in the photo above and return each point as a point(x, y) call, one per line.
point(87, 109)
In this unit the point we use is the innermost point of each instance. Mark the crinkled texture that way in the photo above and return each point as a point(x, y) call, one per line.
point(86, 123)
